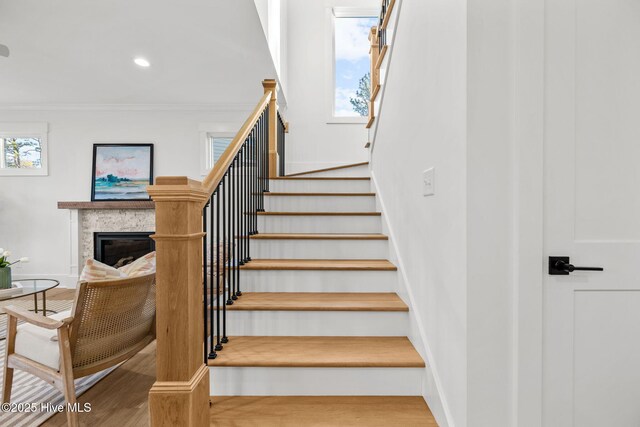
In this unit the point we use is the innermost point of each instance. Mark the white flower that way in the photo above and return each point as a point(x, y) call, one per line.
point(24, 259)
point(6, 253)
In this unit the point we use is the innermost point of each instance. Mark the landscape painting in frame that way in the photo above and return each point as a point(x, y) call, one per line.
point(121, 171)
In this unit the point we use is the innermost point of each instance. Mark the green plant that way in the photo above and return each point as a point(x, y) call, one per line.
point(4, 259)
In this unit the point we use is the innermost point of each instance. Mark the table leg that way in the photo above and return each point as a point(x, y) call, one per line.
point(44, 303)
point(35, 302)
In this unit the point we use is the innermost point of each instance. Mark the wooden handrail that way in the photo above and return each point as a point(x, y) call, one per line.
point(216, 174)
point(180, 395)
point(387, 15)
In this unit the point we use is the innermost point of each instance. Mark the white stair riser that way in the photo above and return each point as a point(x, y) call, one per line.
point(240, 381)
point(320, 186)
point(320, 204)
point(360, 171)
point(319, 249)
point(318, 281)
point(317, 323)
point(319, 224)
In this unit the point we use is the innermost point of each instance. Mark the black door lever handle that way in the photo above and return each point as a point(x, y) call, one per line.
point(560, 265)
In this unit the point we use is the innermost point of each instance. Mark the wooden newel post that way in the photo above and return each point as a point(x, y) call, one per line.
point(180, 395)
point(270, 86)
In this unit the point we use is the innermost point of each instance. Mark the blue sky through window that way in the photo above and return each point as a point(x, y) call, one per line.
point(351, 60)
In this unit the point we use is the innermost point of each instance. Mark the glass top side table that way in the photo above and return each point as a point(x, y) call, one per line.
point(25, 287)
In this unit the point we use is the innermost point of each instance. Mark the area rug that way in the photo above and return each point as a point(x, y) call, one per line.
point(32, 390)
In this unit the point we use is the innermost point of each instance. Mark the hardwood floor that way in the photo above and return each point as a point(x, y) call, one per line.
point(120, 399)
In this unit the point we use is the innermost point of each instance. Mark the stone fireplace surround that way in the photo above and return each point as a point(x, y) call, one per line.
point(85, 218)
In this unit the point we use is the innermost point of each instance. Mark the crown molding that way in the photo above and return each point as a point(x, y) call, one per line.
point(218, 107)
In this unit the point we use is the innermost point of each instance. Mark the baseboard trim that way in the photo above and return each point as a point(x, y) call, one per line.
point(436, 401)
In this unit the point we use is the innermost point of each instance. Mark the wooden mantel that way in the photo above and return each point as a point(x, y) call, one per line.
point(120, 204)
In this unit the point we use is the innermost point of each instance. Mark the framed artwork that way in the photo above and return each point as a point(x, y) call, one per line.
point(121, 171)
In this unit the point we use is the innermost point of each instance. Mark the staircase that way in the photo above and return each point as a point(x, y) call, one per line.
point(319, 314)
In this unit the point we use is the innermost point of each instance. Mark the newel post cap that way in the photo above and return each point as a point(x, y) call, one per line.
point(177, 188)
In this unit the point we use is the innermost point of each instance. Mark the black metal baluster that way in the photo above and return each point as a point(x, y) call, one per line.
point(218, 270)
point(241, 206)
point(259, 162)
point(252, 198)
point(266, 153)
point(236, 265)
point(260, 166)
point(250, 183)
point(248, 200)
point(211, 275)
point(224, 339)
point(229, 214)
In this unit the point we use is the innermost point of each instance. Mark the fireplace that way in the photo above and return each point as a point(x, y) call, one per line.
point(118, 249)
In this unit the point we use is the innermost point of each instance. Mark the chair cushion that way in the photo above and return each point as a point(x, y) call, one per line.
point(40, 344)
point(95, 270)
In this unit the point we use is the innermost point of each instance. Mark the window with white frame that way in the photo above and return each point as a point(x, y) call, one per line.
point(350, 62)
point(23, 149)
point(217, 144)
point(215, 137)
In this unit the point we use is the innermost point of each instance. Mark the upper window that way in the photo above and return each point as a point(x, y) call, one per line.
point(215, 138)
point(23, 149)
point(351, 64)
point(217, 146)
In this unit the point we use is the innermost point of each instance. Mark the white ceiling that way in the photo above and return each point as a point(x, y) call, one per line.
point(81, 52)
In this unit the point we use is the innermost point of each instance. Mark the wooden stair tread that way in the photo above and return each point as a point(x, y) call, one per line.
point(320, 352)
point(322, 213)
point(319, 301)
point(329, 169)
point(319, 264)
point(320, 178)
point(344, 411)
point(319, 236)
point(272, 193)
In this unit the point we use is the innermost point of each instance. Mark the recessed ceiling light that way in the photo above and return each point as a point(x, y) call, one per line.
point(142, 62)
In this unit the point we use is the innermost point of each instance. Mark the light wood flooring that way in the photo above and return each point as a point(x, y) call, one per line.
point(319, 301)
point(319, 351)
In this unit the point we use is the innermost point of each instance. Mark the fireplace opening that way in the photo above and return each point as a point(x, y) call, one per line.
point(118, 249)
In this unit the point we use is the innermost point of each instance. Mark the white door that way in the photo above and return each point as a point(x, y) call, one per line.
point(591, 341)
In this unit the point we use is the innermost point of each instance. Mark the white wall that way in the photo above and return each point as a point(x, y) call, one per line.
point(273, 17)
point(422, 125)
point(30, 223)
point(312, 142)
point(462, 105)
point(491, 253)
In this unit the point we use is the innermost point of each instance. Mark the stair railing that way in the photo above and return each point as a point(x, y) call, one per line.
point(377, 52)
point(202, 239)
point(283, 128)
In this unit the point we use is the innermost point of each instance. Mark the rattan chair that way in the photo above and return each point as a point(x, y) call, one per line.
point(110, 322)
